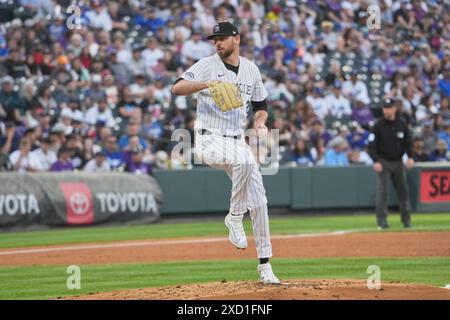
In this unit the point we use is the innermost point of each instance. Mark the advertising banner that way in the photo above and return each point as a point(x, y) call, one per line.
point(435, 186)
point(56, 199)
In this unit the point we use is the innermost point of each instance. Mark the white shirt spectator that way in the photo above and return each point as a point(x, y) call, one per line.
point(207, 19)
point(338, 106)
point(151, 57)
point(101, 20)
point(278, 91)
point(29, 160)
point(319, 106)
point(195, 50)
point(258, 7)
point(330, 40)
point(164, 95)
point(138, 91)
point(92, 166)
point(357, 90)
point(76, 115)
point(124, 56)
point(422, 112)
point(315, 59)
point(364, 158)
point(183, 31)
point(44, 159)
point(94, 114)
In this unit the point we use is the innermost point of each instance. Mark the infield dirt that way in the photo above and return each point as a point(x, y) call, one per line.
point(310, 289)
point(382, 244)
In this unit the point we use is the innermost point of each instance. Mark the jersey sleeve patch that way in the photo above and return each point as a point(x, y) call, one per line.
point(189, 76)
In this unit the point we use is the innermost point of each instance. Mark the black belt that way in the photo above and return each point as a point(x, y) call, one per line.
point(204, 131)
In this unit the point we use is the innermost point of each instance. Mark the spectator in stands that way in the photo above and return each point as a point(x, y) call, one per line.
point(119, 69)
point(358, 137)
point(16, 66)
point(328, 37)
point(338, 105)
point(23, 160)
point(44, 155)
point(429, 136)
point(99, 17)
point(152, 53)
point(136, 64)
point(133, 130)
point(100, 112)
point(98, 163)
point(301, 155)
point(9, 138)
point(75, 146)
point(419, 154)
point(136, 163)
point(426, 109)
point(383, 63)
point(336, 155)
point(63, 163)
point(10, 101)
point(318, 131)
point(317, 102)
point(96, 91)
point(444, 83)
point(139, 89)
point(445, 134)
point(149, 19)
point(313, 57)
point(362, 114)
point(195, 48)
point(355, 89)
point(32, 135)
point(359, 156)
point(129, 109)
point(114, 156)
point(441, 153)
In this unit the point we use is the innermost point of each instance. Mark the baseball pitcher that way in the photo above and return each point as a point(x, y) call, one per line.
point(226, 85)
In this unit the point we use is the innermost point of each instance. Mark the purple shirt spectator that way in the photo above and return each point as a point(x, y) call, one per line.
point(362, 114)
point(62, 166)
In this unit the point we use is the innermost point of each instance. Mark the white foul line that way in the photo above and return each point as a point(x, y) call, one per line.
point(157, 243)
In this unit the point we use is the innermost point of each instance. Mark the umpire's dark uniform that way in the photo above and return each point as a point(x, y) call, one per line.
point(388, 142)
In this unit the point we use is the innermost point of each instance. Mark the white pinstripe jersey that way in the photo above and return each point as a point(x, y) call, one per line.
point(250, 84)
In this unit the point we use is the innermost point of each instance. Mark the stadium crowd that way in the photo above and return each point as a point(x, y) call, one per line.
point(93, 93)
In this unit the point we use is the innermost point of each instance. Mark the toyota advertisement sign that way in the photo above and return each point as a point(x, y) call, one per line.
point(77, 199)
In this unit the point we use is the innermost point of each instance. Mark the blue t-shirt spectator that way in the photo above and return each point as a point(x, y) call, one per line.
point(123, 142)
point(358, 140)
point(444, 85)
point(336, 159)
point(151, 23)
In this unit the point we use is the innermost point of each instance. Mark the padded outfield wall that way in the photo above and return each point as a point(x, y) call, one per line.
point(61, 199)
point(312, 188)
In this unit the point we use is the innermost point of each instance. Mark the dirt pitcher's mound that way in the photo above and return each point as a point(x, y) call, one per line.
point(308, 289)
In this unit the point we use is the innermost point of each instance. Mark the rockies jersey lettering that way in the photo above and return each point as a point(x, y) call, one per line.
point(249, 81)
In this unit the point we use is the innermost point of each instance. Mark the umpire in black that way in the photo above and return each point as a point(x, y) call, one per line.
point(389, 140)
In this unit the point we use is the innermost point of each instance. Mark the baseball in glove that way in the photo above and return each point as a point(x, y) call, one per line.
point(226, 95)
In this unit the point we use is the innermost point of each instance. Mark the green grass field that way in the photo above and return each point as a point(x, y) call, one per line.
point(43, 282)
point(50, 282)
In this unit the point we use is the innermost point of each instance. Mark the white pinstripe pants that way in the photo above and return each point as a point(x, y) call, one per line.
point(247, 192)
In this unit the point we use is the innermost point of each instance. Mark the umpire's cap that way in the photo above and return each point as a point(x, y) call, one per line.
point(388, 103)
point(224, 28)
